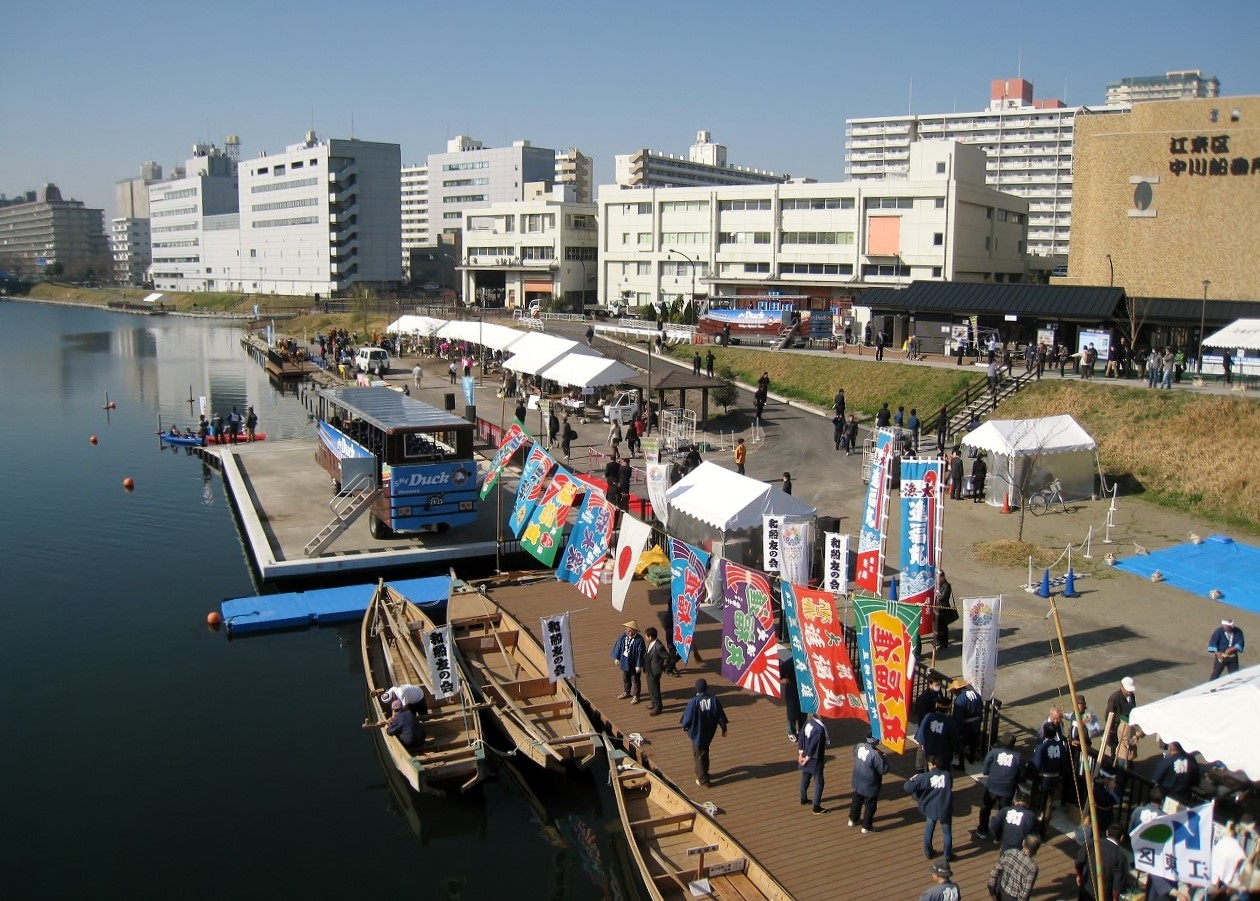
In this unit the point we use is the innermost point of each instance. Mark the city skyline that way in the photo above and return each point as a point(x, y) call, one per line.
point(605, 84)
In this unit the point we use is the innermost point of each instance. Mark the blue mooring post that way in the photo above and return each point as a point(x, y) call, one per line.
point(1069, 587)
point(1044, 590)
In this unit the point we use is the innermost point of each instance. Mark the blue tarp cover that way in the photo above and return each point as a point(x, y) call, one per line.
point(1218, 563)
point(271, 612)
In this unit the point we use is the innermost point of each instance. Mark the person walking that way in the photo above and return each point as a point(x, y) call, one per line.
point(943, 886)
point(787, 483)
point(568, 435)
point(614, 434)
point(627, 654)
point(942, 429)
point(915, 427)
point(741, 455)
point(452, 369)
point(1225, 645)
point(955, 475)
point(695, 364)
point(553, 427)
point(656, 658)
point(1015, 873)
point(1002, 767)
point(979, 473)
point(811, 755)
point(943, 602)
point(933, 792)
point(839, 403)
point(1012, 824)
point(251, 423)
point(968, 712)
point(1047, 770)
point(850, 434)
point(417, 373)
point(937, 735)
point(837, 430)
point(701, 719)
point(1122, 737)
point(624, 476)
point(869, 768)
point(880, 341)
point(1227, 365)
point(1114, 868)
point(709, 360)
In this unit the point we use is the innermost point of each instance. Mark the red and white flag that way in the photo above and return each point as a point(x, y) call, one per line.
point(634, 534)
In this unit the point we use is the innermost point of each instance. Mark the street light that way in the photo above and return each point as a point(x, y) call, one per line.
point(1202, 315)
point(693, 274)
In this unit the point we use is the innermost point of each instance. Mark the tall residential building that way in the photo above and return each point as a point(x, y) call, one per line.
point(573, 167)
point(39, 229)
point(705, 165)
point(1188, 84)
point(415, 209)
point(206, 186)
point(130, 241)
point(1029, 147)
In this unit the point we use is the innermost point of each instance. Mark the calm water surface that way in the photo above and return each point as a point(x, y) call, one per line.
point(143, 755)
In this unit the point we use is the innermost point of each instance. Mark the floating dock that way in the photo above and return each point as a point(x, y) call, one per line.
point(323, 606)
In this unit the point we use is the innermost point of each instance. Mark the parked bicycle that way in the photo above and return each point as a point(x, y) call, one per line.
point(1047, 498)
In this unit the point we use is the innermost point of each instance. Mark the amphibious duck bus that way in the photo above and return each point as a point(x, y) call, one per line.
point(420, 457)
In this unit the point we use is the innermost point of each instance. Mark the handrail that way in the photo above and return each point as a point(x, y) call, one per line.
point(364, 483)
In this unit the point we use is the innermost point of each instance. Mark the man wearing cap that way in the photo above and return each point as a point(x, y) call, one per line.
point(1225, 645)
point(943, 887)
point(1002, 766)
point(811, 754)
point(937, 736)
point(925, 703)
point(968, 711)
point(933, 792)
point(1122, 737)
point(869, 768)
point(628, 653)
point(1014, 875)
point(701, 719)
point(411, 696)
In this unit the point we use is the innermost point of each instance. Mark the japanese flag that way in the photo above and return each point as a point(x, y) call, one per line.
point(634, 534)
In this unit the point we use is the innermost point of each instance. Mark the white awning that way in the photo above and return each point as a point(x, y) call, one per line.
point(582, 371)
point(155, 297)
point(724, 499)
point(1030, 437)
point(1217, 719)
point(487, 334)
point(1245, 334)
point(536, 352)
point(412, 324)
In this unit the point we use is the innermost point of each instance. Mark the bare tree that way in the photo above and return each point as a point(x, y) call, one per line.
point(1129, 320)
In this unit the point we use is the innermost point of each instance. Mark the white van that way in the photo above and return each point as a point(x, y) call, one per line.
point(622, 408)
point(372, 359)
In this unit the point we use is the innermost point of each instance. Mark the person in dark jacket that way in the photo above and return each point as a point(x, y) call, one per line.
point(850, 435)
point(627, 653)
point(933, 791)
point(945, 613)
point(1047, 769)
point(811, 753)
point(869, 768)
point(925, 703)
point(937, 735)
point(979, 472)
point(883, 416)
point(553, 428)
point(968, 712)
point(612, 472)
point(955, 475)
point(1115, 867)
point(1011, 824)
point(1177, 773)
point(1003, 767)
point(656, 658)
point(787, 483)
point(701, 719)
point(566, 440)
point(1225, 645)
point(406, 725)
point(624, 475)
point(791, 698)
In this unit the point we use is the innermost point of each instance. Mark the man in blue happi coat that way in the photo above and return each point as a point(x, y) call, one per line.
point(937, 736)
point(1225, 645)
point(869, 768)
point(933, 791)
point(1002, 766)
point(811, 751)
point(701, 719)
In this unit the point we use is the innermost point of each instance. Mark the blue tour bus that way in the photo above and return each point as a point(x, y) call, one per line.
point(420, 456)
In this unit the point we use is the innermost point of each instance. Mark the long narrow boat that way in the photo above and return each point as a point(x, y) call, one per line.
point(681, 852)
point(454, 750)
point(195, 440)
point(544, 719)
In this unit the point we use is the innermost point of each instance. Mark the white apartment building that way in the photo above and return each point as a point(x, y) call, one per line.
point(129, 237)
point(705, 164)
point(573, 167)
point(530, 250)
point(415, 209)
point(205, 186)
point(1186, 84)
point(937, 220)
point(1029, 147)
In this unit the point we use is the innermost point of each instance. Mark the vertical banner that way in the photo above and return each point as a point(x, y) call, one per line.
point(529, 490)
point(771, 542)
point(542, 535)
point(824, 672)
point(469, 385)
point(583, 559)
point(980, 618)
point(201, 404)
point(870, 552)
point(630, 541)
point(835, 576)
point(920, 535)
point(558, 647)
point(687, 568)
point(1177, 846)
point(657, 475)
point(886, 646)
point(443, 676)
point(796, 549)
point(512, 441)
point(750, 648)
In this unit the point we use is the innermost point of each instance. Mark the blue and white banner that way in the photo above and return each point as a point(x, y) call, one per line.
point(981, 618)
point(558, 647)
point(921, 506)
point(1177, 846)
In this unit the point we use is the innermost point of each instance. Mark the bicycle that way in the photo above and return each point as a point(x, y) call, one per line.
point(1046, 498)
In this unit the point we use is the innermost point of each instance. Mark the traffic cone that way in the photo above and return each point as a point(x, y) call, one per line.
point(1006, 502)
point(1044, 590)
point(1069, 587)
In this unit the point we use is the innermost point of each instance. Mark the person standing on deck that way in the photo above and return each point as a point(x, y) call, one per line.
point(1225, 645)
point(869, 768)
point(656, 658)
point(627, 653)
point(251, 423)
point(811, 754)
point(701, 719)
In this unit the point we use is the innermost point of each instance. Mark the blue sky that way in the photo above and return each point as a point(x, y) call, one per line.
point(88, 91)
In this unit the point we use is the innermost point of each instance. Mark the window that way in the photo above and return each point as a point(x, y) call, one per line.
point(734, 206)
point(817, 238)
point(537, 253)
point(938, 239)
point(583, 222)
point(744, 238)
point(464, 198)
point(535, 223)
point(579, 253)
point(625, 237)
point(818, 203)
point(940, 168)
point(641, 209)
point(645, 239)
point(278, 169)
point(936, 272)
point(460, 167)
point(897, 270)
point(988, 212)
point(988, 243)
point(643, 268)
point(298, 165)
point(683, 238)
point(939, 202)
point(756, 268)
point(817, 268)
point(684, 206)
point(890, 203)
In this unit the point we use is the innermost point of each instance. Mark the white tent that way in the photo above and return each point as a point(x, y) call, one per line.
point(411, 324)
point(536, 352)
point(487, 334)
point(715, 506)
point(1243, 334)
point(1029, 454)
point(582, 371)
point(1217, 719)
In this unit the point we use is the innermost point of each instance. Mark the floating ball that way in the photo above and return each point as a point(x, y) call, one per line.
point(214, 618)
point(93, 439)
point(129, 484)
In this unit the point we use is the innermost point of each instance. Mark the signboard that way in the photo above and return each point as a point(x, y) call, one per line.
point(1100, 340)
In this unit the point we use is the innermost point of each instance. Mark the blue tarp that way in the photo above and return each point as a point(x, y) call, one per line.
point(273, 612)
point(1218, 563)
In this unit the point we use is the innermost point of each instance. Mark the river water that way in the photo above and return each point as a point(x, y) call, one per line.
point(144, 755)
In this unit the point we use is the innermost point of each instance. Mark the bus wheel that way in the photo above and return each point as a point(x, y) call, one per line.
point(378, 529)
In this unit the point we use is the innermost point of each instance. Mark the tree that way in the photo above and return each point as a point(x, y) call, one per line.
point(363, 302)
point(726, 394)
point(1130, 318)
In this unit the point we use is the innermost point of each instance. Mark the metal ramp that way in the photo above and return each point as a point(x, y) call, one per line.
point(787, 335)
point(347, 507)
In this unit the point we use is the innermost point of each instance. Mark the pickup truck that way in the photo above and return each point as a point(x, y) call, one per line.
point(622, 408)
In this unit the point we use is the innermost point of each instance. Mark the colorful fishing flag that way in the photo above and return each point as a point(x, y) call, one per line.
point(630, 541)
point(750, 648)
point(824, 672)
point(797, 549)
point(886, 632)
point(835, 575)
point(870, 552)
point(529, 490)
point(542, 536)
point(443, 668)
point(1177, 846)
point(921, 508)
point(687, 567)
point(513, 438)
point(981, 617)
point(583, 559)
point(558, 647)
point(657, 475)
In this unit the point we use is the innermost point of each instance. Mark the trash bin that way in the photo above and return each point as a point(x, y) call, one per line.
point(470, 412)
point(450, 402)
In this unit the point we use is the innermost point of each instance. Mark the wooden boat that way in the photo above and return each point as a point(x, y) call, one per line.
point(544, 719)
point(195, 441)
point(454, 750)
point(677, 846)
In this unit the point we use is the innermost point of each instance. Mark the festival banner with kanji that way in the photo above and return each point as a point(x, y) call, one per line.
point(558, 647)
point(824, 673)
point(631, 537)
point(583, 559)
point(687, 567)
point(750, 648)
point(1177, 846)
point(870, 552)
point(512, 441)
point(657, 476)
point(835, 575)
point(886, 631)
point(980, 618)
point(921, 514)
point(443, 670)
point(542, 535)
point(771, 542)
point(529, 490)
point(797, 549)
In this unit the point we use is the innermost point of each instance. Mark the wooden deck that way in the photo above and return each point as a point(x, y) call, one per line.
point(755, 778)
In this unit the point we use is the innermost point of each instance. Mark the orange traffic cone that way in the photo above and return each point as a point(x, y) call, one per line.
point(1006, 502)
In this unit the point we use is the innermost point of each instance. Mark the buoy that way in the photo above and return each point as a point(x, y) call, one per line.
point(214, 618)
point(110, 406)
point(92, 439)
point(1069, 587)
point(1044, 590)
point(1006, 502)
point(129, 484)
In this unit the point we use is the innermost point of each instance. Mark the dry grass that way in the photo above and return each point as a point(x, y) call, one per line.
point(1188, 451)
point(1011, 553)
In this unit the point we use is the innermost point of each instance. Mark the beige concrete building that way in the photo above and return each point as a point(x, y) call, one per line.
point(1166, 200)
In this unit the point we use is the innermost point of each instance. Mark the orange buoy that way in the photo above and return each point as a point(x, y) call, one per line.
point(110, 406)
point(92, 439)
point(214, 618)
point(129, 483)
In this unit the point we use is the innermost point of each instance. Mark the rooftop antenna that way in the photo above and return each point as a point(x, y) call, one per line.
point(1019, 64)
point(910, 98)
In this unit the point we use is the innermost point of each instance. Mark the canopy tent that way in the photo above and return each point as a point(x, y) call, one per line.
point(536, 352)
point(1217, 719)
point(1026, 455)
point(495, 337)
point(411, 324)
point(582, 371)
point(716, 507)
point(1244, 334)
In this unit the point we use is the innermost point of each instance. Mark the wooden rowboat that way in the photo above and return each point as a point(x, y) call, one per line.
point(681, 852)
point(454, 750)
point(544, 719)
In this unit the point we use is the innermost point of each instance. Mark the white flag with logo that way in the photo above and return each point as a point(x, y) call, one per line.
point(444, 676)
point(797, 549)
point(835, 574)
point(980, 618)
point(657, 475)
point(634, 534)
point(558, 647)
point(1176, 846)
